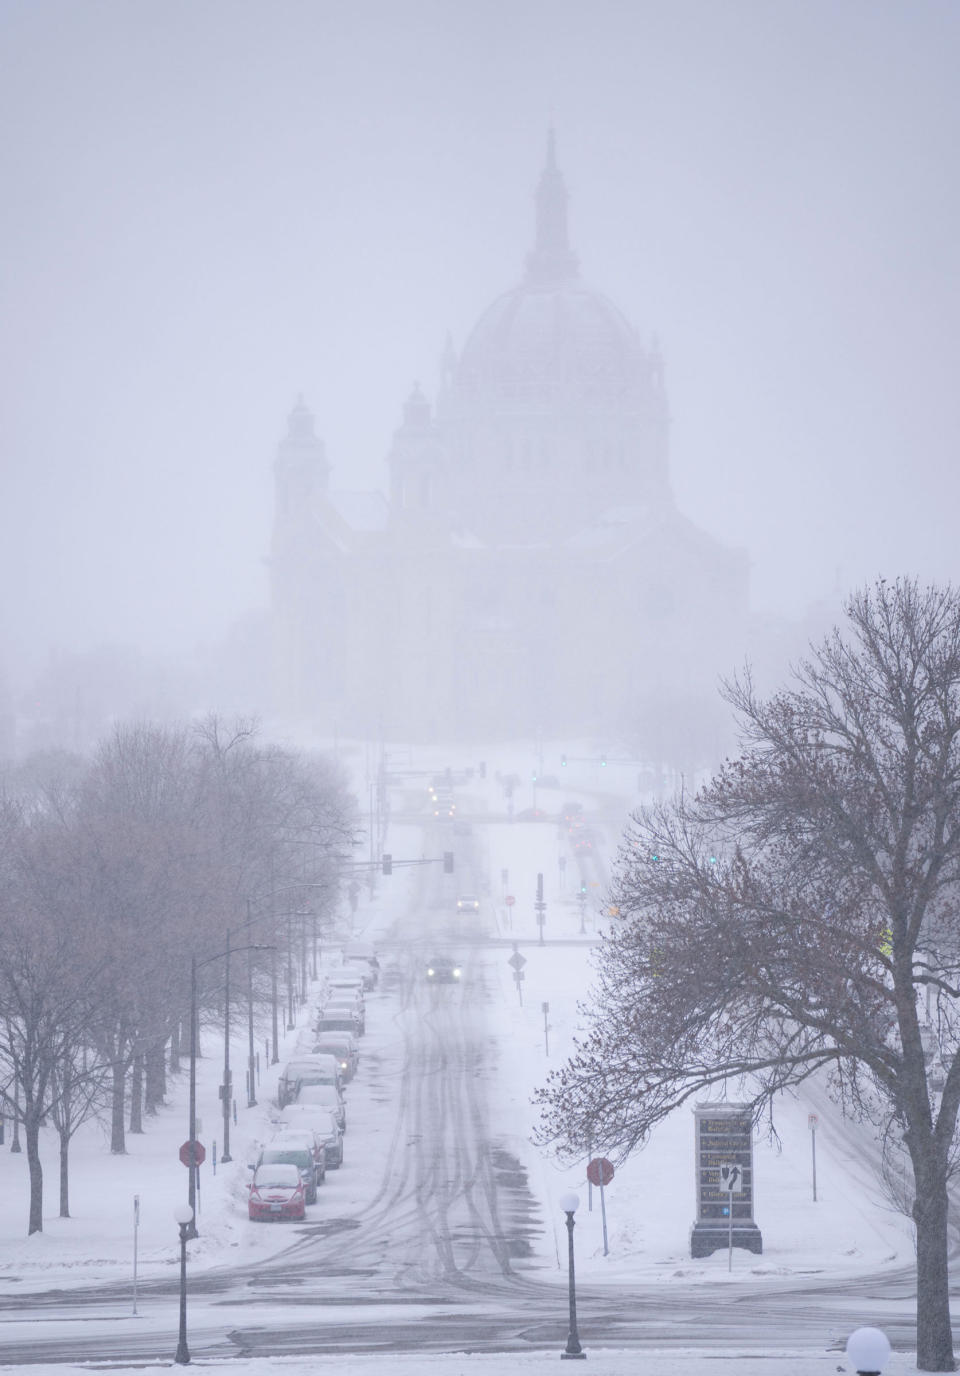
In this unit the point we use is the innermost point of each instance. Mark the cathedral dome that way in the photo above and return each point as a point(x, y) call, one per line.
point(559, 339)
point(554, 336)
point(555, 411)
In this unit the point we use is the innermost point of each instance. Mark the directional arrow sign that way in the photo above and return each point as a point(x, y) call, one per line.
point(731, 1178)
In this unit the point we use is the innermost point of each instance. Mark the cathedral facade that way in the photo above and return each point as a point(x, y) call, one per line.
point(527, 571)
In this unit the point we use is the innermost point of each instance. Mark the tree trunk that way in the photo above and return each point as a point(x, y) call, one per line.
point(118, 1141)
point(64, 1176)
point(31, 1132)
point(930, 1211)
point(156, 1077)
point(136, 1094)
point(174, 1048)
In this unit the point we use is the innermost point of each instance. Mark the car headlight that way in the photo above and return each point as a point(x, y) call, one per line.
point(430, 972)
point(456, 974)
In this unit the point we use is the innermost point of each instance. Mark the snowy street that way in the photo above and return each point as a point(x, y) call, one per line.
point(442, 1231)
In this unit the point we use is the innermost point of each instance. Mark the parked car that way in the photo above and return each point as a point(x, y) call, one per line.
point(321, 1122)
point(363, 958)
point(444, 970)
point(344, 1046)
point(277, 1191)
point(310, 1068)
point(338, 1022)
point(325, 1096)
point(344, 979)
point(295, 1149)
point(346, 1005)
point(365, 970)
point(359, 950)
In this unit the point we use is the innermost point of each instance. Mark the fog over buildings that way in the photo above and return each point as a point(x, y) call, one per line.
point(211, 209)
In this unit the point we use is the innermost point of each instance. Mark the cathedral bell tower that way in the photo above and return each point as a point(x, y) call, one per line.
point(417, 470)
point(301, 471)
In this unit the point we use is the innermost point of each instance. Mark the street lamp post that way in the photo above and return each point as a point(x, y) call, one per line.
point(196, 965)
point(275, 1027)
point(184, 1216)
point(192, 1132)
point(569, 1203)
point(251, 1057)
point(225, 1154)
point(290, 1015)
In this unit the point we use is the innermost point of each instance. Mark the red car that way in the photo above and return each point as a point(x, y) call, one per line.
point(276, 1191)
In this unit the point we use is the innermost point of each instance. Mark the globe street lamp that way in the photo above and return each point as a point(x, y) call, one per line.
point(569, 1203)
point(868, 1350)
point(184, 1216)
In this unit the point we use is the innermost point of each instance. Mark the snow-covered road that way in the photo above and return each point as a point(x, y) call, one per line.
point(442, 1233)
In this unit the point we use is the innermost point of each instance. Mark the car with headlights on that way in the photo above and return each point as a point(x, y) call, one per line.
point(276, 1192)
point(344, 1046)
point(444, 970)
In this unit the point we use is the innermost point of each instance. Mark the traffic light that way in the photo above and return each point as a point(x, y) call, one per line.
point(563, 761)
point(388, 864)
point(448, 862)
point(583, 888)
point(603, 761)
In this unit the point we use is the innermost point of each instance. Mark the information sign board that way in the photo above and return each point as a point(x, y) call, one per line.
point(724, 1153)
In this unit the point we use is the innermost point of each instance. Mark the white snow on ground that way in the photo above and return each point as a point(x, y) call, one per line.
point(599, 1362)
point(649, 1205)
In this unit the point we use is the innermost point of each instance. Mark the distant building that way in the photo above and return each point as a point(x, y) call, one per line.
point(528, 572)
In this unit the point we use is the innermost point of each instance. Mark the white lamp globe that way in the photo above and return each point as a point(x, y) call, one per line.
point(570, 1203)
point(183, 1214)
point(868, 1349)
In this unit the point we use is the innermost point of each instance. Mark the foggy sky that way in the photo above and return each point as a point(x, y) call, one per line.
point(212, 206)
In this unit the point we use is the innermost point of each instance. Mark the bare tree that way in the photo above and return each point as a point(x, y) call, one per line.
point(802, 912)
point(77, 1093)
point(46, 983)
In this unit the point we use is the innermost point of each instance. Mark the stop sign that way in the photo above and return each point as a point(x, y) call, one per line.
point(509, 900)
point(199, 1153)
point(600, 1171)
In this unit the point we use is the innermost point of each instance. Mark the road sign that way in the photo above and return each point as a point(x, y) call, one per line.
point(812, 1121)
point(509, 900)
point(600, 1171)
point(199, 1153)
point(517, 961)
point(731, 1176)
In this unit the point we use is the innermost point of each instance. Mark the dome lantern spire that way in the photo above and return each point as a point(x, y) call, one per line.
point(551, 259)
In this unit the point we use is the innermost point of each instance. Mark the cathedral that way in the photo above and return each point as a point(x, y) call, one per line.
point(527, 572)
